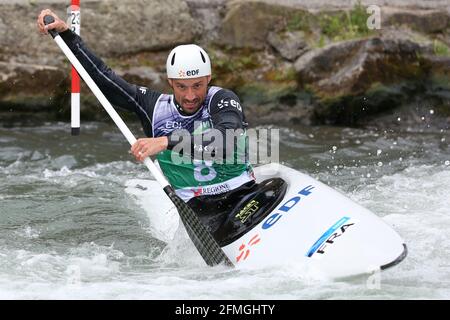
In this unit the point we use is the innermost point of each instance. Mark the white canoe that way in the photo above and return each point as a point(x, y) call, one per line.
point(314, 225)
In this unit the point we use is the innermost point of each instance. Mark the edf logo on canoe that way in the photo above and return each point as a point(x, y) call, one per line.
point(288, 205)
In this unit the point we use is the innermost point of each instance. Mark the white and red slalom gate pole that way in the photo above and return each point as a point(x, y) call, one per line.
point(74, 16)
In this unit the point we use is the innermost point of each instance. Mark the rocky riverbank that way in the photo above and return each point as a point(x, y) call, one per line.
point(309, 62)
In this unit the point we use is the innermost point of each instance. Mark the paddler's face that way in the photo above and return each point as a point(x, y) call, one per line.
point(190, 93)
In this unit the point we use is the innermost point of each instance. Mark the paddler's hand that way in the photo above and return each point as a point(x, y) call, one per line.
point(145, 147)
point(59, 25)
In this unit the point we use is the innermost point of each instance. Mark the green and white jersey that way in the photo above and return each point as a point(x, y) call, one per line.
point(191, 177)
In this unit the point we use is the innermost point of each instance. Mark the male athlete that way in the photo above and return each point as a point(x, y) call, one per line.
point(211, 188)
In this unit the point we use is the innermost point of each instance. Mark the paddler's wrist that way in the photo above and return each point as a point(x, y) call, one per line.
point(60, 26)
point(164, 143)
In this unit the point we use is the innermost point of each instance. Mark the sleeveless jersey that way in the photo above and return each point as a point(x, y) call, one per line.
point(194, 177)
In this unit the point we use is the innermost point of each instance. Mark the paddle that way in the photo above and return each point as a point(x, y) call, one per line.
point(206, 245)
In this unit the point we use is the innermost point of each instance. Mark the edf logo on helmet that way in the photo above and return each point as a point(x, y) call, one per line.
point(189, 73)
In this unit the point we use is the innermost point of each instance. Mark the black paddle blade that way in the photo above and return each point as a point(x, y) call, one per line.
point(206, 245)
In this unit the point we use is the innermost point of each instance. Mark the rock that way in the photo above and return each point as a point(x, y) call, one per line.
point(112, 27)
point(22, 38)
point(346, 4)
point(144, 76)
point(31, 87)
point(290, 45)
point(210, 13)
point(425, 21)
point(280, 113)
point(34, 74)
point(3, 29)
point(247, 23)
point(439, 65)
point(352, 67)
point(354, 80)
point(137, 25)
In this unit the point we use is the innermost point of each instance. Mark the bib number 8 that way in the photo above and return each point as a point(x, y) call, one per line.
point(204, 172)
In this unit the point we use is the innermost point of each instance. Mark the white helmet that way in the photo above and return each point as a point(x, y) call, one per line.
point(188, 61)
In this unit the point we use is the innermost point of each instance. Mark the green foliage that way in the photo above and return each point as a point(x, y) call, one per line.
point(441, 49)
point(299, 21)
point(284, 75)
point(233, 63)
point(333, 26)
point(345, 25)
point(321, 42)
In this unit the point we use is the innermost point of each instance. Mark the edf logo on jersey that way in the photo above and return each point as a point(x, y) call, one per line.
point(233, 103)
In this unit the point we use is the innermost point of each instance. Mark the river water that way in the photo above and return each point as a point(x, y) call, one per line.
point(69, 231)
